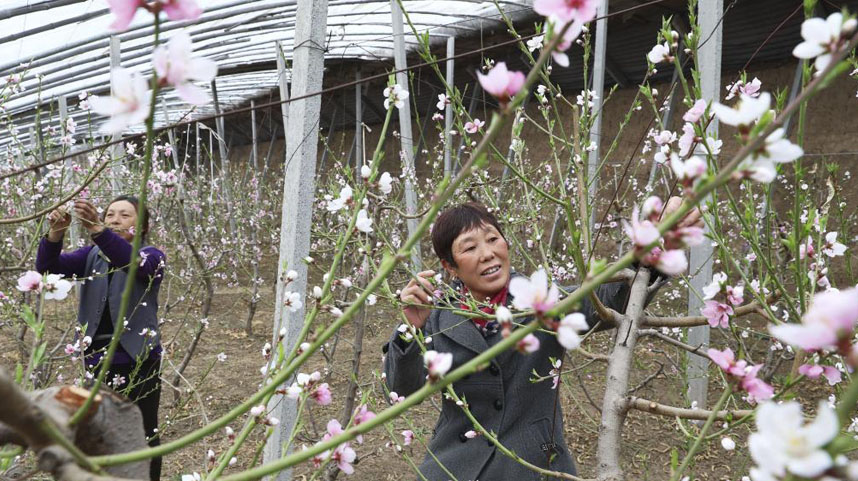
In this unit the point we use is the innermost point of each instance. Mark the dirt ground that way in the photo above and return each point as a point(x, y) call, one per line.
point(649, 439)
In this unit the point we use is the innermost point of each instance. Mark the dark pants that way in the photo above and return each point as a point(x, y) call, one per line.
point(145, 392)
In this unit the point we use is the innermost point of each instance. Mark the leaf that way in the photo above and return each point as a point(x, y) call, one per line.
point(29, 317)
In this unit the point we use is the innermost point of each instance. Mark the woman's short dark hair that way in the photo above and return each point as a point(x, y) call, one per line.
point(456, 220)
point(133, 200)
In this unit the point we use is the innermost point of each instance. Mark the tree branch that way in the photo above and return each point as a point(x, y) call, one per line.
point(691, 321)
point(699, 414)
point(675, 342)
point(614, 405)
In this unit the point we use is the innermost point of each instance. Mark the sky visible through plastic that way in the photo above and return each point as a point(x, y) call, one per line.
point(235, 33)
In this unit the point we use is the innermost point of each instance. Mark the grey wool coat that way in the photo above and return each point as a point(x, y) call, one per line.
point(520, 413)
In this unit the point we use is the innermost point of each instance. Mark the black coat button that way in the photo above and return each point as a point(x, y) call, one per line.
point(498, 404)
point(462, 437)
point(494, 369)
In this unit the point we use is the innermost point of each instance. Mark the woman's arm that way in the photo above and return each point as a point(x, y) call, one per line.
point(49, 258)
point(118, 250)
point(614, 295)
point(403, 361)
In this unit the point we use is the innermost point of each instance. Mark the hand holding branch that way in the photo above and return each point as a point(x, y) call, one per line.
point(418, 291)
point(88, 216)
point(58, 221)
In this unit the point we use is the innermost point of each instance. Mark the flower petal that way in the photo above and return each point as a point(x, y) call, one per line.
point(824, 428)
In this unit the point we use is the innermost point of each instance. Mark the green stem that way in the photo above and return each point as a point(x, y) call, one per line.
point(444, 191)
point(38, 331)
point(697, 441)
point(848, 400)
point(135, 248)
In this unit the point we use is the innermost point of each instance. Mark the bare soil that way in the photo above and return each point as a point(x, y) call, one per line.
point(649, 439)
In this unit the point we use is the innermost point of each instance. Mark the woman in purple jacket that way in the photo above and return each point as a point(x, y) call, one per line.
point(103, 268)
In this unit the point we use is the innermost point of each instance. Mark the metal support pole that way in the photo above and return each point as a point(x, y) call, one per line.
point(594, 158)
point(666, 119)
point(510, 158)
point(115, 151)
point(211, 167)
point(328, 138)
point(793, 93)
point(424, 133)
point(448, 110)
point(406, 137)
point(700, 261)
point(359, 154)
point(476, 95)
point(253, 136)
point(254, 237)
point(199, 149)
point(68, 173)
point(302, 143)
point(224, 163)
point(284, 87)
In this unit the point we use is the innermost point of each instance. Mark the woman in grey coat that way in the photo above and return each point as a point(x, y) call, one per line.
point(526, 417)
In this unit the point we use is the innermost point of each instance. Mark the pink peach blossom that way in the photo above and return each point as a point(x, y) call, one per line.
point(182, 10)
point(529, 344)
point(408, 437)
point(534, 293)
point(124, 11)
point(474, 127)
point(642, 233)
point(672, 262)
point(743, 374)
point(695, 112)
point(581, 11)
point(501, 83)
point(717, 313)
point(344, 456)
point(322, 395)
point(757, 389)
point(831, 318)
point(30, 281)
point(175, 65)
point(362, 415)
point(735, 295)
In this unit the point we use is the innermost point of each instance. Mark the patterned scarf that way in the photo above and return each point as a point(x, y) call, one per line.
point(488, 326)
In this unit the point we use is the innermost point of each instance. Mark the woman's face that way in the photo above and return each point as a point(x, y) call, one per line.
point(482, 261)
point(121, 217)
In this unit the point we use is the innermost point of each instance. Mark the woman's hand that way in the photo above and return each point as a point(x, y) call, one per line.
point(418, 293)
point(88, 216)
point(58, 221)
point(694, 218)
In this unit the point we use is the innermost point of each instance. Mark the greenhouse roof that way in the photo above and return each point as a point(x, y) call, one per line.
point(62, 47)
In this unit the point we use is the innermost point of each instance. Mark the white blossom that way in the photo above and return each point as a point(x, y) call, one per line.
point(395, 95)
point(783, 443)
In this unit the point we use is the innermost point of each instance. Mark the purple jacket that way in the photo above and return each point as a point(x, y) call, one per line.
point(91, 264)
point(118, 250)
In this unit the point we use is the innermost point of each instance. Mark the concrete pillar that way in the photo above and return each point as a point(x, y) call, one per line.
point(594, 157)
point(448, 110)
point(68, 174)
point(406, 136)
point(359, 147)
point(302, 139)
point(700, 260)
point(225, 176)
point(116, 184)
point(284, 86)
